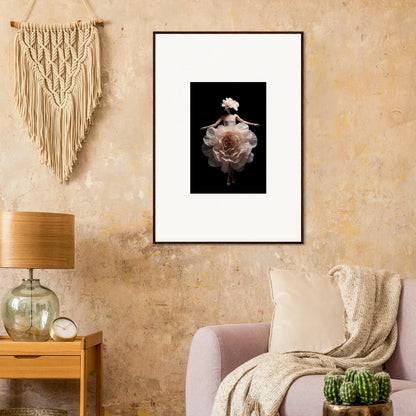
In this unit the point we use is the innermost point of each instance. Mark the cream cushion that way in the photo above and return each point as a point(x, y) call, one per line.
point(308, 313)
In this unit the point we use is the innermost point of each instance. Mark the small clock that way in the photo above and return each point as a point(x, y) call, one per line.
point(63, 329)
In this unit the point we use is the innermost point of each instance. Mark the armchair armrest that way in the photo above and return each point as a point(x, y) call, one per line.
point(215, 352)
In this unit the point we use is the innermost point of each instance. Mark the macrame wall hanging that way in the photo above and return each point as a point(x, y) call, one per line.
point(57, 86)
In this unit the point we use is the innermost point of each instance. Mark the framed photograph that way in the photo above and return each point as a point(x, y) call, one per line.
point(228, 116)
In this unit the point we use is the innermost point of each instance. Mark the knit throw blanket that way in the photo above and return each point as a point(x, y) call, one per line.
point(371, 301)
point(57, 87)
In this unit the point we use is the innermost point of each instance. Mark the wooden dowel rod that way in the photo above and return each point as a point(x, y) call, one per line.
point(98, 22)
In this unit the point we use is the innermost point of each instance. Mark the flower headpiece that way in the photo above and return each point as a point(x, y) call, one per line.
point(230, 103)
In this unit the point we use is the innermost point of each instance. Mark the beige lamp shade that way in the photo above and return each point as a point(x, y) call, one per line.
point(36, 240)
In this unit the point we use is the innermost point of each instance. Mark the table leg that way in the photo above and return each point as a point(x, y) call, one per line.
point(83, 386)
point(99, 380)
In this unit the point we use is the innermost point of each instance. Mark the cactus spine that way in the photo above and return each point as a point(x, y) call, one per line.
point(351, 372)
point(331, 388)
point(330, 374)
point(348, 393)
point(367, 386)
point(384, 384)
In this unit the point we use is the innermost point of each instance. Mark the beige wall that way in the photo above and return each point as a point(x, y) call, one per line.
point(360, 193)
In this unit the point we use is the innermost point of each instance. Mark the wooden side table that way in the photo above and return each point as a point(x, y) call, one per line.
point(56, 360)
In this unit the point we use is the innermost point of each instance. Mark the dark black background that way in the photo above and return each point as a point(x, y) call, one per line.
point(206, 99)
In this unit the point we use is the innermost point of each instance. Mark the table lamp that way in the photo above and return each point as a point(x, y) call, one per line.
point(33, 240)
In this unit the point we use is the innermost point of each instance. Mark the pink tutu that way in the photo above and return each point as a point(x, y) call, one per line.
point(229, 146)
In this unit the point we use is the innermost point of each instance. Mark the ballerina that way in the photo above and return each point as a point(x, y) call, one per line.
point(229, 146)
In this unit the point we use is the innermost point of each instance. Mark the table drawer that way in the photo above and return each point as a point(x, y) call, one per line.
point(49, 366)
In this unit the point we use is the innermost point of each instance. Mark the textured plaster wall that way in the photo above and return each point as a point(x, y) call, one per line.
point(359, 187)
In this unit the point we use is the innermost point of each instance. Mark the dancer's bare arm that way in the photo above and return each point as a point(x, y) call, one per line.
point(212, 125)
point(245, 122)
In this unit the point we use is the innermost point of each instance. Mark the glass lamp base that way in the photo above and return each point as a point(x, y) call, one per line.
point(28, 310)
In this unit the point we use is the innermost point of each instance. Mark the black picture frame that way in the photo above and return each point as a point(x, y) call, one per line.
point(163, 91)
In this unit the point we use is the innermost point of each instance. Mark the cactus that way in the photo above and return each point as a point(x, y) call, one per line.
point(348, 393)
point(359, 386)
point(367, 386)
point(351, 372)
point(331, 388)
point(384, 384)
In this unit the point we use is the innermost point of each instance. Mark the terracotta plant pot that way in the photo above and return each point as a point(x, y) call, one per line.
point(381, 409)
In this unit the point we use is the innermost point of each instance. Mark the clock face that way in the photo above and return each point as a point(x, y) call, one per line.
point(64, 328)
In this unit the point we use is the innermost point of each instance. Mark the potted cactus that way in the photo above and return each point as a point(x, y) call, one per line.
point(359, 392)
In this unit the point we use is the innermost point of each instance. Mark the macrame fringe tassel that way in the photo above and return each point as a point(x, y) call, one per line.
point(58, 132)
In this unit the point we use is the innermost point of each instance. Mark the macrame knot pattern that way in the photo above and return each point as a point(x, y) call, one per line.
point(57, 88)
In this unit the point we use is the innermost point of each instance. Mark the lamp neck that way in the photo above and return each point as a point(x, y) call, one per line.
point(30, 275)
point(33, 282)
point(30, 283)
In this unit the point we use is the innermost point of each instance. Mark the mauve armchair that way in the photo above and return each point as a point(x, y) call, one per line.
point(217, 350)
